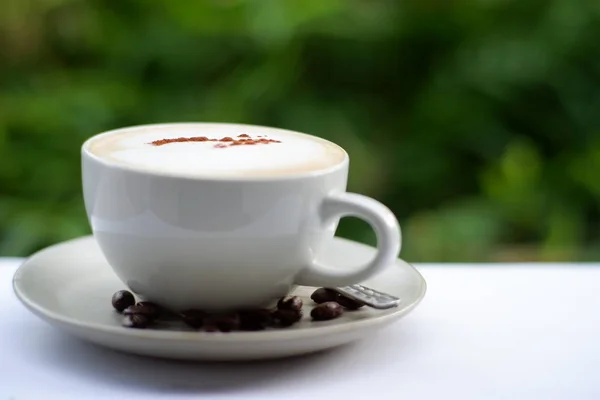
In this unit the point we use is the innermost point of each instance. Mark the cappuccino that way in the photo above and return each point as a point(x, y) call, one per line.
point(217, 150)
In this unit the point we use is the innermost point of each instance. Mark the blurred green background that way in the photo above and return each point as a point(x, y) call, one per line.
point(476, 121)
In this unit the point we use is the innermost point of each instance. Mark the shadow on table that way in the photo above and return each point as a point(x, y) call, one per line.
point(86, 361)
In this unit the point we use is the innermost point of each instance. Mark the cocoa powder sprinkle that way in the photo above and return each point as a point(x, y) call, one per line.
point(245, 140)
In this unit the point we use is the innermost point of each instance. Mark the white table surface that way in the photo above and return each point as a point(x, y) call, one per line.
point(527, 331)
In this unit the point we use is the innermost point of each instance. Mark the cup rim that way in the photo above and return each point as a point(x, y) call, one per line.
point(257, 178)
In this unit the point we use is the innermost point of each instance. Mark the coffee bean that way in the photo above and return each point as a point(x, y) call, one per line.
point(193, 318)
point(326, 311)
point(323, 295)
point(147, 312)
point(255, 320)
point(122, 299)
point(209, 324)
point(211, 328)
point(285, 318)
point(223, 322)
point(153, 310)
point(290, 303)
point(348, 303)
point(138, 321)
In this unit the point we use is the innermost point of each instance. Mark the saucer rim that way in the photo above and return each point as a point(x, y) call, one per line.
point(194, 336)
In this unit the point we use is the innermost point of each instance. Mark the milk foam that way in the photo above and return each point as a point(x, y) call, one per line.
point(295, 153)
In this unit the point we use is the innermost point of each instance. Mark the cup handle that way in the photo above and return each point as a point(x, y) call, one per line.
point(386, 228)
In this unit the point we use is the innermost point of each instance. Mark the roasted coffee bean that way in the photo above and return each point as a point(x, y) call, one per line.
point(193, 318)
point(122, 299)
point(348, 303)
point(290, 303)
point(138, 321)
point(285, 318)
point(210, 328)
point(152, 309)
point(326, 311)
point(323, 295)
point(223, 322)
point(147, 312)
point(255, 320)
point(209, 324)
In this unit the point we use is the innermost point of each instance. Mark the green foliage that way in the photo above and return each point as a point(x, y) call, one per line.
point(476, 121)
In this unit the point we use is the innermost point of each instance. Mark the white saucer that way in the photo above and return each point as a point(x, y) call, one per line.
point(70, 286)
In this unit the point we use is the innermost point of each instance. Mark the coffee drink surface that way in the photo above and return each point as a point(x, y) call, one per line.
point(217, 150)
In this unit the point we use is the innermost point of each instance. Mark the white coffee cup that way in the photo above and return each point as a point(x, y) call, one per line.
point(220, 242)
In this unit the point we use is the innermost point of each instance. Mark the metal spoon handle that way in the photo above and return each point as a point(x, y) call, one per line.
point(368, 296)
